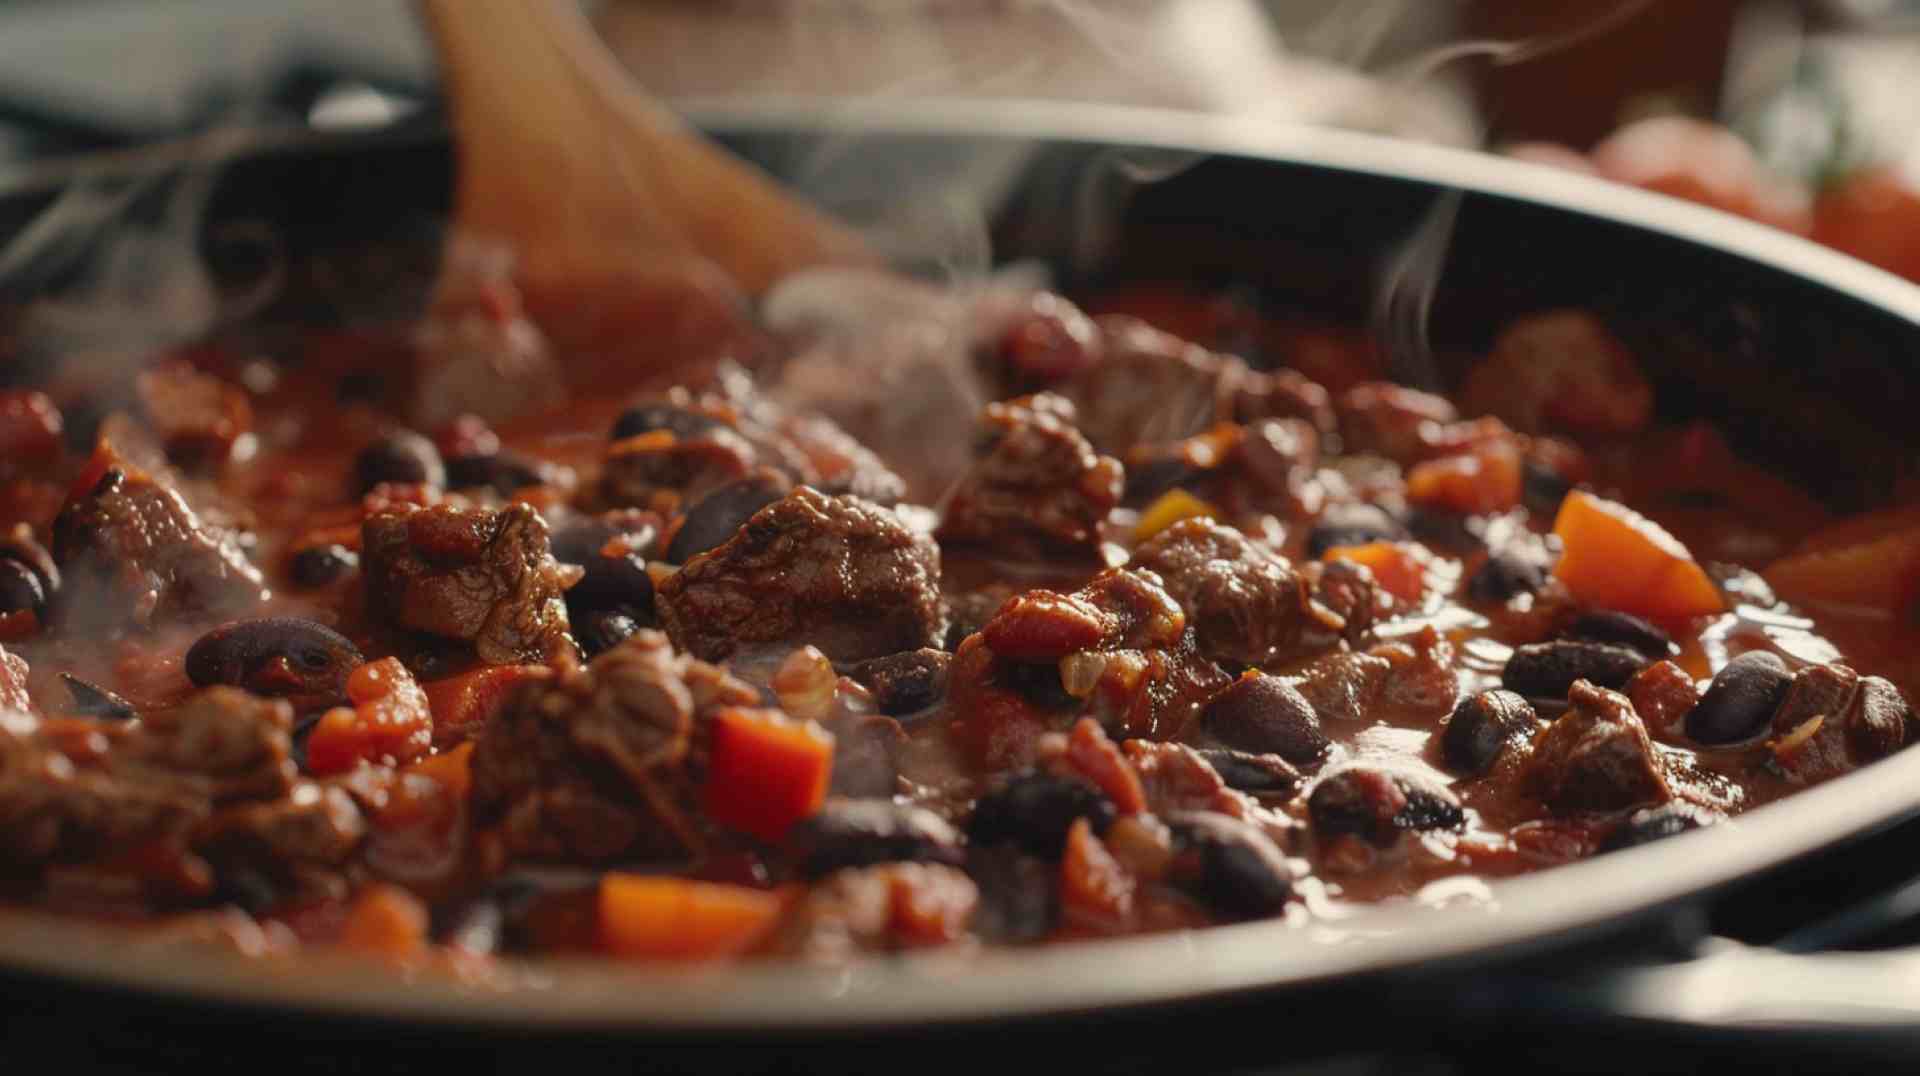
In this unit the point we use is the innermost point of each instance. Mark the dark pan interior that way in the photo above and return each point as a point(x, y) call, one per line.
point(1802, 376)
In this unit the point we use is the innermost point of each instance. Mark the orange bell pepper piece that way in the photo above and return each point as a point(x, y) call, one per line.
point(1400, 567)
point(385, 919)
point(1485, 478)
point(681, 919)
point(1615, 558)
point(1870, 572)
point(767, 771)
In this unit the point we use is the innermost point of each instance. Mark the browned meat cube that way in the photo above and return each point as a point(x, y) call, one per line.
point(484, 577)
point(842, 574)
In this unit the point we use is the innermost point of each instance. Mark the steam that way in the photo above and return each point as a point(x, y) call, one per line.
point(1404, 302)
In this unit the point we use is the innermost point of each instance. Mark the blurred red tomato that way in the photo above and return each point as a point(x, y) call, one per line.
point(1874, 215)
point(1705, 163)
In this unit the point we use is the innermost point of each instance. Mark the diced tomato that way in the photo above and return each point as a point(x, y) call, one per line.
point(472, 697)
point(1614, 558)
point(1095, 890)
point(30, 427)
point(389, 721)
point(931, 905)
point(1098, 758)
point(767, 772)
point(1874, 215)
point(1704, 163)
point(680, 919)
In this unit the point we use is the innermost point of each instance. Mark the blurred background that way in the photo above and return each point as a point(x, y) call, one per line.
point(1798, 111)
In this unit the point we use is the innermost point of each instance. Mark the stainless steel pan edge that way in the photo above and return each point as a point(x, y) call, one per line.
point(1554, 908)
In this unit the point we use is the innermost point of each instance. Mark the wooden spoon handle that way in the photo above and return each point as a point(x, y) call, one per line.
point(565, 160)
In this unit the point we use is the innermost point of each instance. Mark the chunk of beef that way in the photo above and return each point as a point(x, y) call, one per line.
point(221, 744)
point(839, 573)
point(50, 811)
point(843, 464)
point(602, 760)
point(155, 785)
point(1151, 387)
point(13, 682)
point(1833, 720)
point(1390, 420)
point(1039, 489)
point(484, 577)
point(198, 416)
point(1596, 756)
point(314, 826)
point(663, 471)
point(1347, 590)
point(1247, 606)
point(1119, 649)
point(1412, 677)
point(880, 908)
point(130, 549)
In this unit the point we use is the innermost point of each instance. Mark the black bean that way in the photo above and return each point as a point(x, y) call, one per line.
point(95, 701)
point(1377, 805)
point(1542, 489)
point(1265, 714)
point(1351, 524)
point(21, 546)
point(1547, 670)
point(318, 565)
point(647, 418)
point(618, 581)
point(246, 889)
point(1229, 865)
point(1452, 532)
point(1481, 727)
point(1622, 629)
point(863, 832)
point(275, 655)
point(1882, 722)
point(1018, 894)
point(600, 630)
point(1035, 810)
point(20, 589)
point(720, 514)
point(1258, 775)
point(1039, 683)
point(905, 683)
point(1504, 575)
point(503, 472)
point(402, 457)
point(1740, 702)
point(483, 924)
point(1651, 824)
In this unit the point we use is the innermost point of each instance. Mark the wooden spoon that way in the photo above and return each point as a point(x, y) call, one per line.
point(616, 212)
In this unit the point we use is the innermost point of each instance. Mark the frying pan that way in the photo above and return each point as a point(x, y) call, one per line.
point(1806, 357)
